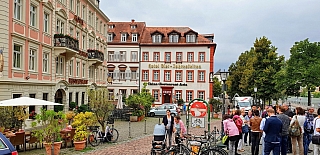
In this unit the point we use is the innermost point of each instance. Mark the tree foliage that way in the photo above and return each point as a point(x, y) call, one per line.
point(100, 104)
point(217, 89)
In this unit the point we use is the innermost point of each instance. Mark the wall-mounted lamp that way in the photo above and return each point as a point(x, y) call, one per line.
point(28, 77)
point(160, 94)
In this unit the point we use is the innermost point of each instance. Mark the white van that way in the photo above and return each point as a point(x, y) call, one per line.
point(243, 103)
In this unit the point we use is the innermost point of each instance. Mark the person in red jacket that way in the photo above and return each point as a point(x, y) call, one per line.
point(238, 121)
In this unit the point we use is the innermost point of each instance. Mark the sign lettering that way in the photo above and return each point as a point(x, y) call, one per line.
point(166, 84)
point(174, 66)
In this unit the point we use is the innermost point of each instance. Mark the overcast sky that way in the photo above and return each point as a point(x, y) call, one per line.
point(235, 23)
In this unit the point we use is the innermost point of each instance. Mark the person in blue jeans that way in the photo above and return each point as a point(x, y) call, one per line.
point(272, 128)
point(285, 129)
point(307, 136)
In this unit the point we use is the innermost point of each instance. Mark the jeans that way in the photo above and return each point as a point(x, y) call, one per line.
point(237, 142)
point(289, 145)
point(306, 142)
point(169, 136)
point(241, 143)
point(246, 137)
point(316, 149)
point(255, 139)
point(283, 145)
point(232, 145)
point(275, 147)
point(262, 146)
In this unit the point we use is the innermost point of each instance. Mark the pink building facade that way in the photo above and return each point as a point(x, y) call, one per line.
point(52, 50)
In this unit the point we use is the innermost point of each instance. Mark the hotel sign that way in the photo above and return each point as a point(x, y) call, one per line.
point(174, 66)
point(166, 84)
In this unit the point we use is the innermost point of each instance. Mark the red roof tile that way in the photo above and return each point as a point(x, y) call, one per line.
point(125, 27)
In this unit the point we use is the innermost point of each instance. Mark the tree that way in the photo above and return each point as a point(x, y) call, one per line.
point(100, 104)
point(217, 90)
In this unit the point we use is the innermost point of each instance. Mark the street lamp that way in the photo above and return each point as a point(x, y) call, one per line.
point(223, 75)
point(255, 95)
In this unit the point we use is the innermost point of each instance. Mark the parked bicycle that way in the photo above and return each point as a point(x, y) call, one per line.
point(97, 136)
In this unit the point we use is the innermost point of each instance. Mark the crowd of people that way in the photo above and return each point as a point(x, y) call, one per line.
point(278, 129)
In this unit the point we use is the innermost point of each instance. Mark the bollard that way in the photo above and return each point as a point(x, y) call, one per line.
point(145, 126)
point(129, 130)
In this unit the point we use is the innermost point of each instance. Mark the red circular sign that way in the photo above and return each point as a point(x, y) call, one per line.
point(198, 109)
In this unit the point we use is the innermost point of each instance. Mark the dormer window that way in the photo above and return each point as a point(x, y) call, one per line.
point(111, 26)
point(110, 37)
point(123, 37)
point(173, 38)
point(134, 37)
point(133, 26)
point(156, 38)
point(191, 38)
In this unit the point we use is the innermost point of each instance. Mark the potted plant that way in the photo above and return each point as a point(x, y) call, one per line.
point(70, 115)
point(81, 122)
point(50, 124)
point(216, 104)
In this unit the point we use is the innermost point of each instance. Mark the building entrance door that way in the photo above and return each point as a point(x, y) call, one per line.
point(166, 98)
point(166, 95)
point(58, 98)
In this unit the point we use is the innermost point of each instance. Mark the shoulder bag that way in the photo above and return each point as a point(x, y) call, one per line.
point(316, 138)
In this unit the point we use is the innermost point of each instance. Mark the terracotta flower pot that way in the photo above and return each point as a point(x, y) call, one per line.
point(78, 146)
point(215, 115)
point(57, 146)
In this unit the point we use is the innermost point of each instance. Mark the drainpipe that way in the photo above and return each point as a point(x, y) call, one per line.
point(139, 68)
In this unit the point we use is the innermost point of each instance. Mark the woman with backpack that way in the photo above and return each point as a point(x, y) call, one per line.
point(296, 131)
point(231, 130)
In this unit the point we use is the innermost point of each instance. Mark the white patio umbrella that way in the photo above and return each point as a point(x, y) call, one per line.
point(119, 104)
point(26, 101)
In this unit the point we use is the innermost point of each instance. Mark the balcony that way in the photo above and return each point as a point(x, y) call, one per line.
point(65, 44)
point(95, 57)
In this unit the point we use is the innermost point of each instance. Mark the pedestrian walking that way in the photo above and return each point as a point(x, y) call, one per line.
point(308, 130)
point(238, 121)
point(272, 128)
point(247, 118)
point(233, 133)
point(297, 138)
point(316, 123)
point(289, 113)
point(255, 132)
point(245, 129)
point(285, 130)
point(168, 123)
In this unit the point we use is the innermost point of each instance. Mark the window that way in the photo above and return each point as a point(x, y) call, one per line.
point(46, 22)
point(78, 8)
point(78, 35)
point(82, 98)
point(100, 27)
point(156, 38)
point(111, 56)
point(83, 42)
point(33, 13)
point(111, 95)
point(123, 37)
point(145, 56)
point(32, 59)
point(190, 56)
point(122, 56)
point(168, 57)
point(190, 75)
point(91, 71)
point(97, 21)
point(122, 75)
point(178, 94)
point(77, 69)
point(83, 70)
point(17, 50)
point(179, 56)
point(134, 56)
point(77, 98)
point(174, 38)
point(134, 37)
point(145, 75)
point(178, 75)
point(90, 21)
point(191, 38)
point(156, 95)
point(84, 12)
point(201, 76)
point(133, 26)
point(156, 56)
point(71, 5)
point(133, 75)
point(17, 9)
point(71, 67)
point(45, 62)
point(167, 75)
point(201, 95)
point(45, 97)
point(111, 26)
point(60, 26)
point(189, 95)
point(59, 65)
point(71, 32)
point(201, 56)
point(156, 75)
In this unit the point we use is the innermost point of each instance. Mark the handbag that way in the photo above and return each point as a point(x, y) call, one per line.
point(245, 129)
point(224, 139)
point(316, 138)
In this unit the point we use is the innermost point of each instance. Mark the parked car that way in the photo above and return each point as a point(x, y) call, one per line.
point(6, 148)
point(162, 110)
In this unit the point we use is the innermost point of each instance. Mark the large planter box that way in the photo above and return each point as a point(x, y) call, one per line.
point(133, 118)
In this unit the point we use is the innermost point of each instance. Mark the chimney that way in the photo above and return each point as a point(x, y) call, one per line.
point(132, 20)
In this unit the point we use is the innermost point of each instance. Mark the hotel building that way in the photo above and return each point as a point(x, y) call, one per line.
point(123, 57)
point(52, 49)
point(176, 62)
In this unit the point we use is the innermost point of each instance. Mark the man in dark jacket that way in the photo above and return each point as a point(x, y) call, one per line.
point(168, 121)
point(285, 129)
point(289, 113)
point(272, 128)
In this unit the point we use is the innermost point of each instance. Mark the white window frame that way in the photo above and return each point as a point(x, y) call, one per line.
point(156, 38)
point(123, 56)
point(77, 69)
point(78, 8)
point(145, 75)
point(178, 76)
point(189, 96)
point(189, 76)
point(156, 57)
point(71, 32)
point(133, 75)
point(173, 38)
point(123, 37)
point(156, 75)
point(111, 56)
point(84, 12)
point(191, 38)
point(17, 9)
point(46, 22)
point(33, 15)
point(201, 76)
point(201, 95)
point(83, 70)
point(32, 59)
point(134, 37)
point(146, 56)
point(59, 65)
point(190, 57)
point(168, 57)
point(71, 5)
point(201, 57)
point(156, 95)
point(122, 75)
point(91, 72)
point(178, 95)
point(83, 42)
point(167, 76)
point(90, 18)
point(179, 57)
point(78, 35)
point(71, 68)
point(134, 56)
point(45, 62)
point(17, 56)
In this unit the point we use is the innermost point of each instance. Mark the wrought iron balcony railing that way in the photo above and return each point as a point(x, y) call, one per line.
point(95, 54)
point(61, 40)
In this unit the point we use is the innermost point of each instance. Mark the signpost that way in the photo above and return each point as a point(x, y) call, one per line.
point(198, 108)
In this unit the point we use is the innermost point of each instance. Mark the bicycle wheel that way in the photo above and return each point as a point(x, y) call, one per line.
point(215, 151)
point(176, 151)
point(114, 135)
point(94, 139)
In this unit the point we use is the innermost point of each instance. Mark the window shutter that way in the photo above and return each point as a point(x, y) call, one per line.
point(137, 75)
point(128, 74)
